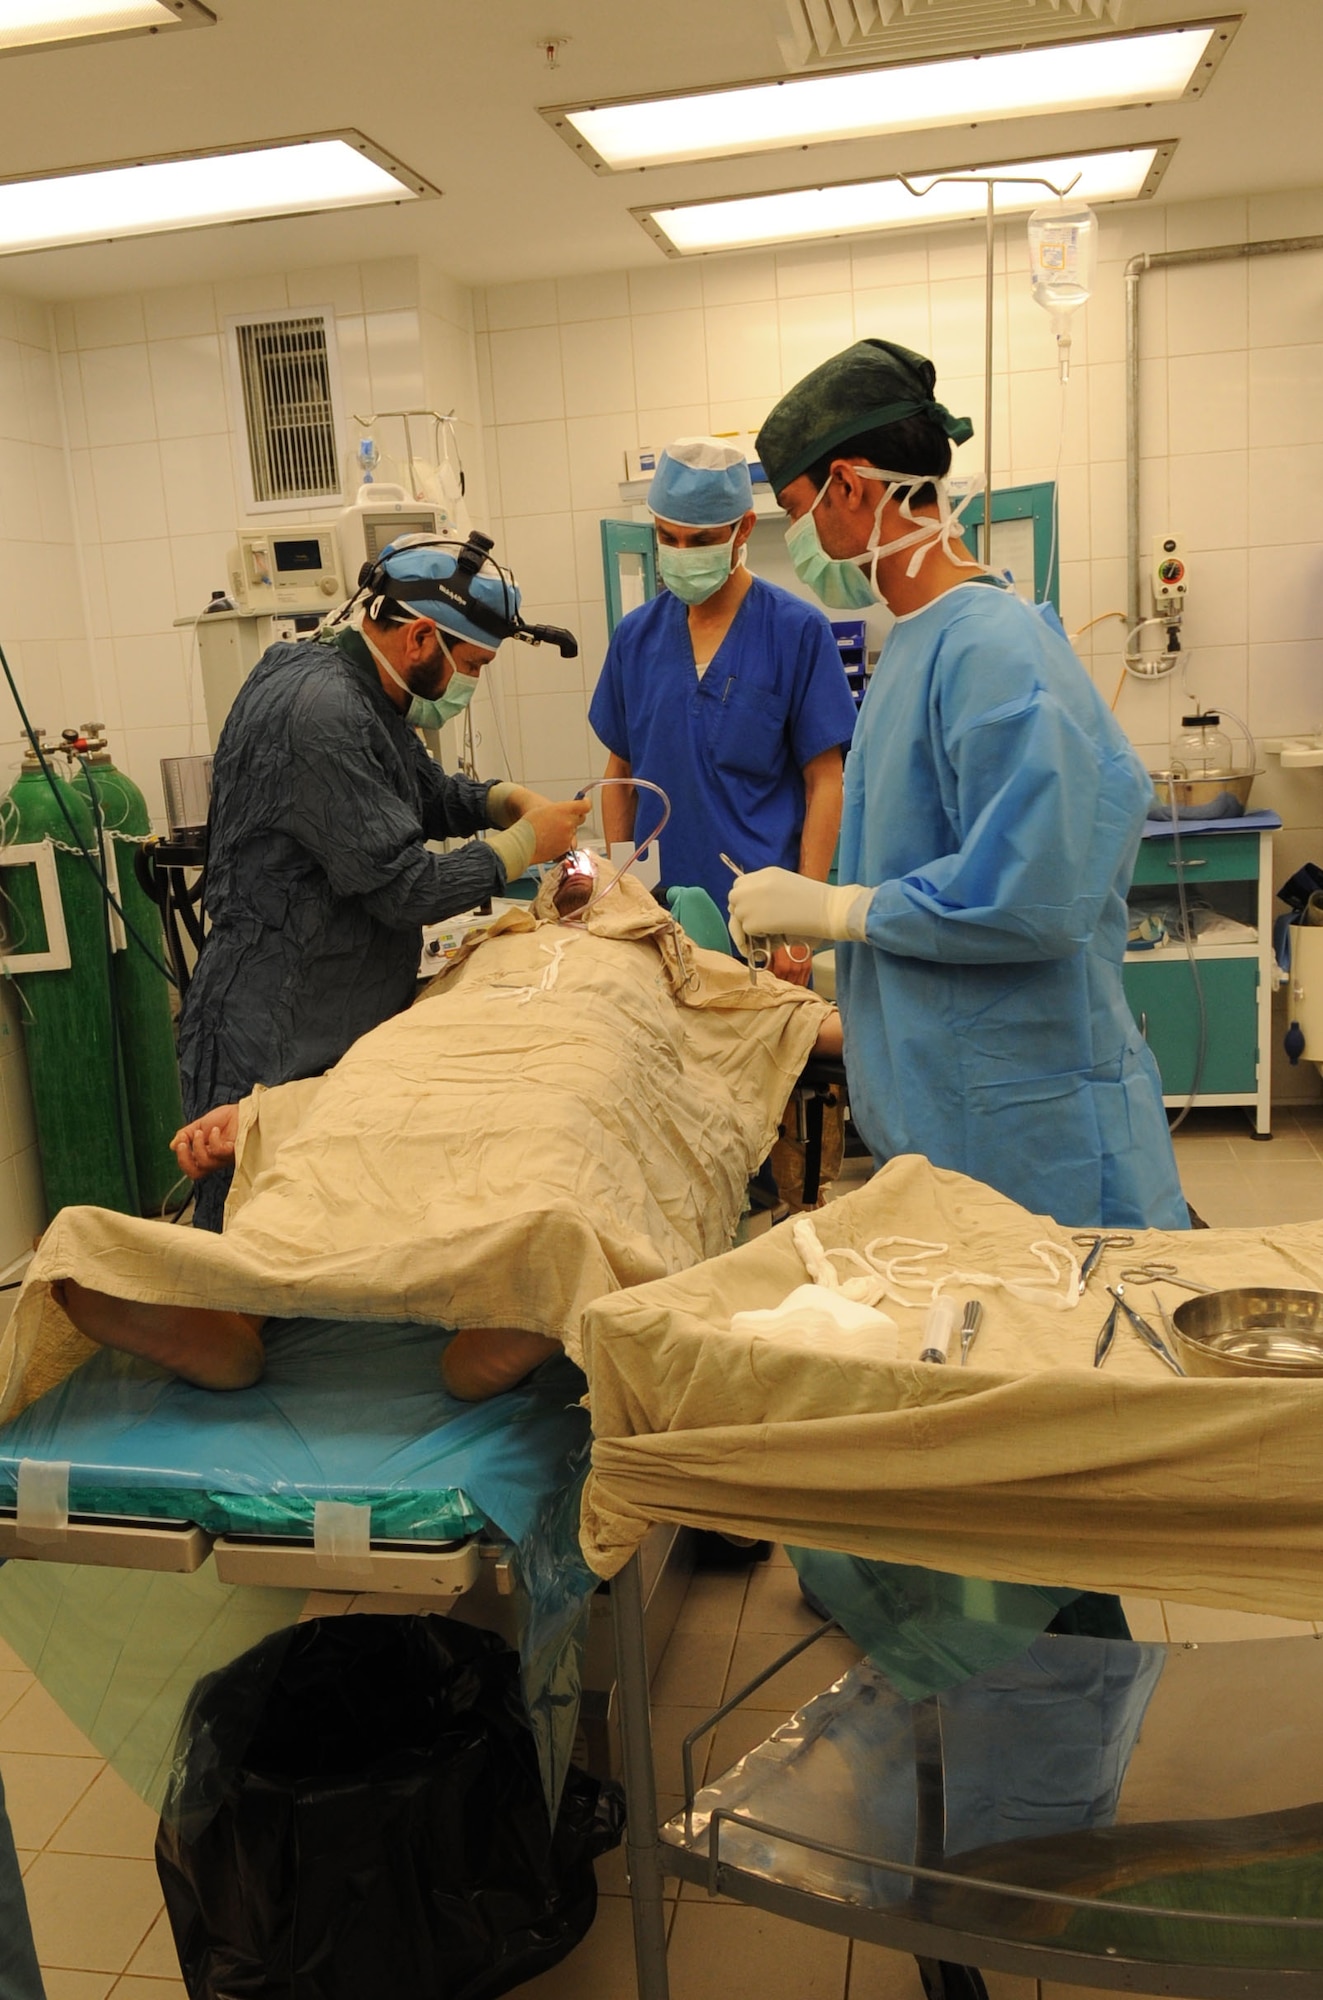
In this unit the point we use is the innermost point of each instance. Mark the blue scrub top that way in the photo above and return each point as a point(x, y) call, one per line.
point(728, 749)
point(998, 806)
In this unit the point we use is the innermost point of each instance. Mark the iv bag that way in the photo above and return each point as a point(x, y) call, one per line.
point(1063, 260)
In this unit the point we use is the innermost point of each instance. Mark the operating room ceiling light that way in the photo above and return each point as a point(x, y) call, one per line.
point(855, 208)
point(1150, 67)
point(29, 24)
point(295, 177)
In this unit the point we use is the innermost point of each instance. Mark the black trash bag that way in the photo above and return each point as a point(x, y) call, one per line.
point(355, 1808)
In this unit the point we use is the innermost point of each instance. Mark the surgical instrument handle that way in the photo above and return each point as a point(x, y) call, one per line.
point(1107, 1334)
point(1102, 1241)
point(969, 1327)
point(1148, 1335)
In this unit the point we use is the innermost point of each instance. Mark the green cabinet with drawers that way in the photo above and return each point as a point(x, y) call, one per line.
point(1233, 872)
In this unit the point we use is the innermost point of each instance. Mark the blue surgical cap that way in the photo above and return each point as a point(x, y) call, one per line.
point(701, 482)
point(488, 587)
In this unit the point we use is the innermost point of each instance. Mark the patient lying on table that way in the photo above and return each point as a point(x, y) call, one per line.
point(571, 1107)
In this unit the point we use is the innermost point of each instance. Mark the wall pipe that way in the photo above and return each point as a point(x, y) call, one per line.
point(1164, 260)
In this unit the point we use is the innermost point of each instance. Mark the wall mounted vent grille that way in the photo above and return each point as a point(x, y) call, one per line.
point(285, 366)
point(894, 30)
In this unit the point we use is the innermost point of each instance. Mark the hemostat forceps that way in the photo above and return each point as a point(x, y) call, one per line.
point(1146, 1333)
point(1098, 1244)
point(760, 956)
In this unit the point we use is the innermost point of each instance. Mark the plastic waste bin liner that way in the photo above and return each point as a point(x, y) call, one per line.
point(355, 1808)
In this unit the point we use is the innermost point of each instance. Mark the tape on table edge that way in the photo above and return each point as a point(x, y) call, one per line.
point(41, 1512)
point(342, 1536)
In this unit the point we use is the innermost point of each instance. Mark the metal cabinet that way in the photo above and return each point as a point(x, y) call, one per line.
point(1234, 871)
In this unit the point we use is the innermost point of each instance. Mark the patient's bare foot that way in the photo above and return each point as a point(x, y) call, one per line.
point(215, 1350)
point(482, 1361)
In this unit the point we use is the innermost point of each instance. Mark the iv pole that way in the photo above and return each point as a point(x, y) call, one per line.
point(991, 182)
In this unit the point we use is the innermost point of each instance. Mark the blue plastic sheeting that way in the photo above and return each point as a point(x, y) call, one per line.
point(1255, 822)
point(347, 1410)
point(120, 1650)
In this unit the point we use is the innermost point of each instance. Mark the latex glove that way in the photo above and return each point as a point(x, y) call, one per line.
point(775, 903)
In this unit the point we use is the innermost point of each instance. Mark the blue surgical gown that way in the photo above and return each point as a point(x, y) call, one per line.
point(729, 748)
point(997, 806)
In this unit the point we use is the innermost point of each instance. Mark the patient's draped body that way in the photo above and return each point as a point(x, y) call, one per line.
point(568, 1110)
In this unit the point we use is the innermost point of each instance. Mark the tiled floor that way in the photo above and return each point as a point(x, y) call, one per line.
point(86, 1841)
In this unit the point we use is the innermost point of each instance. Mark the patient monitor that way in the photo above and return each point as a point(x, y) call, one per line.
point(379, 516)
point(286, 572)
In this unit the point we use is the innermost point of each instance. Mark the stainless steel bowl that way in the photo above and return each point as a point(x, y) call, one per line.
point(1257, 1330)
point(1221, 795)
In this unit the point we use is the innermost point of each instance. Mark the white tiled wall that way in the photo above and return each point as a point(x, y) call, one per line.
point(574, 373)
point(43, 632)
point(153, 451)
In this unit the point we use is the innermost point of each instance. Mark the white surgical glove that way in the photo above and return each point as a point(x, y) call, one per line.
point(775, 903)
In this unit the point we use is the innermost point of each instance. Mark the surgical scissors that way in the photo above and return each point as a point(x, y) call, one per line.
point(1161, 1274)
point(1099, 1244)
point(760, 956)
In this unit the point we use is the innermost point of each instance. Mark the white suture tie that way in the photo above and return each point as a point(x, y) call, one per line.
point(909, 1268)
point(546, 983)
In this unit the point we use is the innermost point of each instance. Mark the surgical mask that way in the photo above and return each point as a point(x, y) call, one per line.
point(458, 695)
point(841, 582)
point(423, 714)
point(694, 575)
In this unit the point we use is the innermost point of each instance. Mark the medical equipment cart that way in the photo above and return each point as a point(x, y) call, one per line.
point(1228, 863)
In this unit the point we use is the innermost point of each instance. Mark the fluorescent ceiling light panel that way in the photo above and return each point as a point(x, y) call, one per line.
point(1148, 68)
point(298, 177)
point(26, 24)
point(855, 208)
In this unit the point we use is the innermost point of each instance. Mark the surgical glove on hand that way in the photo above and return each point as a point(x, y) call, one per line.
point(776, 903)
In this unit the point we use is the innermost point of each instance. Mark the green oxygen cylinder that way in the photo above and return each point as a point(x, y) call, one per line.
point(55, 950)
point(142, 992)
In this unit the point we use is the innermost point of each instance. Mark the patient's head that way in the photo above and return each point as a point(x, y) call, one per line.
point(575, 881)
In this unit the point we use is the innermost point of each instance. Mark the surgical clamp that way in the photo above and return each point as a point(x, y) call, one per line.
point(1099, 1244)
point(1106, 1336)
point(759, 955)
point(1147, 1334)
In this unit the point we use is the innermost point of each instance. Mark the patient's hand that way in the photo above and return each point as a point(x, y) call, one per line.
point(793, 963)
point(208, 1143)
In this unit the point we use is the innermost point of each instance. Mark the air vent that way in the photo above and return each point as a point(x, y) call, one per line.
point(288, 382)
point(894, 30)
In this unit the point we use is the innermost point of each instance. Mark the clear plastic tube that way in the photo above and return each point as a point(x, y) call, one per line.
point(640, 784)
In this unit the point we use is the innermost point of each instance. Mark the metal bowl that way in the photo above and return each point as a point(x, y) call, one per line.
point(1220, 795)
point(1258, 1330)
